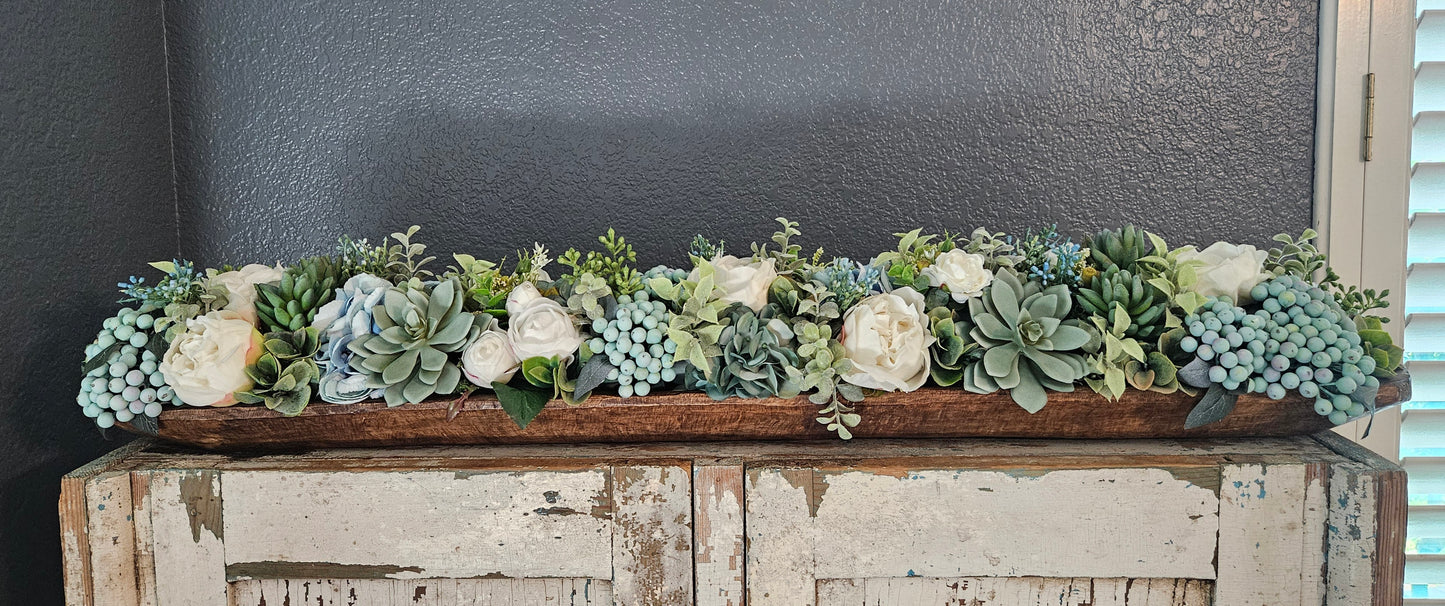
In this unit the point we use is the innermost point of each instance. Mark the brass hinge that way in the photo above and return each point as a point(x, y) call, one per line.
point(1368, 146)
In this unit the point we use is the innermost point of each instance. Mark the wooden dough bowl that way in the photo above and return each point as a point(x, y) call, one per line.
point(931, 412)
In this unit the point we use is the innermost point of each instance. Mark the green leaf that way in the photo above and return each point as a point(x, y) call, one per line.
point(522, 405)
point(1216, 404)
point(539, 370)
point(593, 373)
point(101, 358)
point(165, 266)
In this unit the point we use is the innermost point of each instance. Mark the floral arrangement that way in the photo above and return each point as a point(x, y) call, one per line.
point(983, 312)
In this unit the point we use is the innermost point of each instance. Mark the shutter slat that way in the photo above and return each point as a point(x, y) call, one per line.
point(1427, 237)
point(1427, 522)
point(1424, 570)
point(1430, 36)
point(1425, 288)
point(1426, 475)
point(1427, 381)
point(1428, 137)
point(1427, 187)
point(1422, 433)
point(1425, 333)
point(1430, 86)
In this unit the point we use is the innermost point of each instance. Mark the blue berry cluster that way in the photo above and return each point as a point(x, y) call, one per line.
point(129, 383)
point(635, 342)
point(1297, 340)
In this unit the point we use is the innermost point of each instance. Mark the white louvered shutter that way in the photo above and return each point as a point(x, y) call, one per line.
point(1422, 432)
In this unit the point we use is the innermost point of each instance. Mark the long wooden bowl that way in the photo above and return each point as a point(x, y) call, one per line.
point(681, 417)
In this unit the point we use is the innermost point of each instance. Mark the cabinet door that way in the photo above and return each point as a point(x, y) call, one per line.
point(579, 535)
point(1024, 533)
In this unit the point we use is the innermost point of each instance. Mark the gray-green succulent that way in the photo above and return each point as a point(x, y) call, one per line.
point(304, 288)
point(1120, 248)
point(1146, 306)
point(419, 328)
point(952, 345)
point(1029, 344)
point(282, 377)
point(755, 356)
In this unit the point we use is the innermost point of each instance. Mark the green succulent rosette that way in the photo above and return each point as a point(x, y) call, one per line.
point(1029, 344)
point(410, 357)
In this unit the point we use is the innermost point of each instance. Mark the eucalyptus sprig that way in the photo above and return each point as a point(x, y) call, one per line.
point(1302, 259)
point(786, 259)
point(404, 259)
point(824, 364)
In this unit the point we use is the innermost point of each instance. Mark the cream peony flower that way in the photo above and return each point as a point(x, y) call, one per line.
point(961, 272)
point(1227, 269)
point(490, 358)
point(241, 287)
point(538, 326)
point(886, 336)
point(742, 280)
point(206, 365)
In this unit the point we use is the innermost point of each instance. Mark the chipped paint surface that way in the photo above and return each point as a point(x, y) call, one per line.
point(189, 565)
point(652, 537)
point(112, 539)
point(1351, 535)
point(939, 523)
point(1026, 591)
point(422, 592)
point(718, 535)
point(424, 523)
point(1262, 539)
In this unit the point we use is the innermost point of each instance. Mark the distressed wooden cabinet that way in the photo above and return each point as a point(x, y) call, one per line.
point(975, 522)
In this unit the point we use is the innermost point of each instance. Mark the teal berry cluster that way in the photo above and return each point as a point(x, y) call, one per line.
point(1298, 339)
point(635, 341)
point(673, 275)
point(122, 376)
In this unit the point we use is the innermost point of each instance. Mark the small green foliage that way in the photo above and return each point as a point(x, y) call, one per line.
point(1302, 259)
point(811, 299)
point(994, 247)
point(1378, 344)
point(360, 257)
point(404, 259)
point(283, 375)
point(182, 294)
point(704, 249)
point(786, 259)
point(698, 318)
point(615, 266)
point(586, 296)
point(1110, 378)
point(1173, 279)
point(823, 364)
point(479, 280)
point(915, 252)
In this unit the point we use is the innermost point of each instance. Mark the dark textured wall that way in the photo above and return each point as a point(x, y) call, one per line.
point(494, 124)
point(85, 184)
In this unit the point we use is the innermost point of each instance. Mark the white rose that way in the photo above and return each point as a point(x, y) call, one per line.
point(538, 326)
point(961, 272)
point(206, 365)
point(886, 336)
point(1225, 269)
point(742, 280)
point(241, 287)
point(490, 358)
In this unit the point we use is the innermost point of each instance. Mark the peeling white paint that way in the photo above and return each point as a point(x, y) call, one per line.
point(425, 523)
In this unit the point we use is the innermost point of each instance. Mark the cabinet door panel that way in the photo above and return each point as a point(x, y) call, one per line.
point(809, 524)
point(589, 535)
